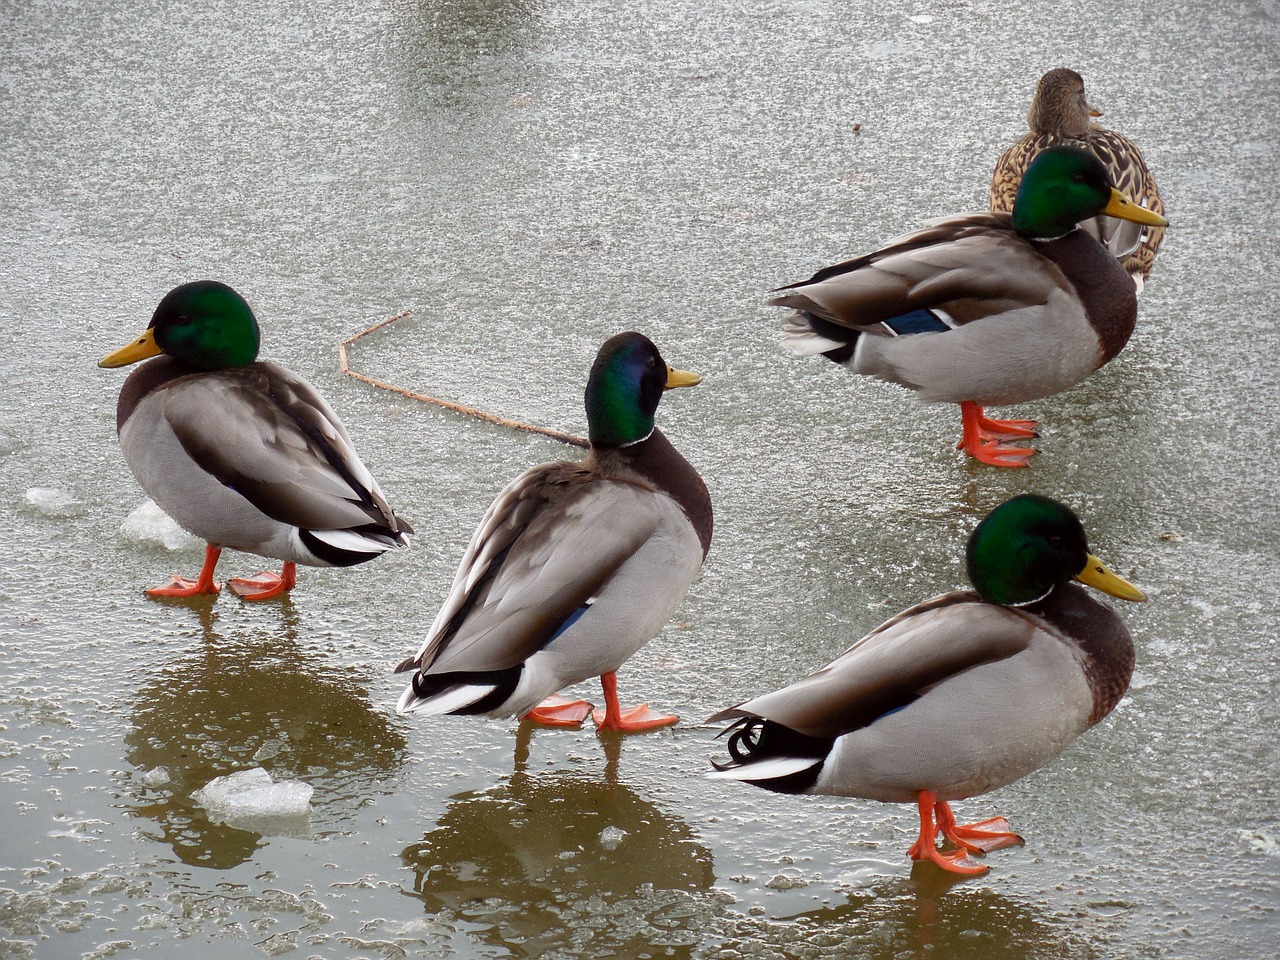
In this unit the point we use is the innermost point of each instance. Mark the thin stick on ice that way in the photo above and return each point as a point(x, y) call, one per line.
point(447, 404)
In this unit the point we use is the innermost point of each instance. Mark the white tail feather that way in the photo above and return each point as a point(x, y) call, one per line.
point(799, 338)
point(444, 702)
point(770, 769)
point(354, 542)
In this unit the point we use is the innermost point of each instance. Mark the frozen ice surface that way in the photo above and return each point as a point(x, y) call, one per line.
point(53, 502)
point(251, 800)
point(150, 524)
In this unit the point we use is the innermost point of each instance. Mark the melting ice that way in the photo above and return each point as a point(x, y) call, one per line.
point(251, 800)
point(150, 524)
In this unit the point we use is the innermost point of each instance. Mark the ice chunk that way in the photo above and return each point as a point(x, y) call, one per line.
point(156, 777)
point(251, 800)
point(1260, 842)
point(151, 524)
point(53, 502)
point(787, 881)
point(611, 836)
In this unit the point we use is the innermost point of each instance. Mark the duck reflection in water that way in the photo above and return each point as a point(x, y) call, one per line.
point(921, 916)
point(234, 703)
point(562, 860)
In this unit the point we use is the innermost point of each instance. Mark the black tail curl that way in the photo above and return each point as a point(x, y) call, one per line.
point(744, 741)
point(753, 739)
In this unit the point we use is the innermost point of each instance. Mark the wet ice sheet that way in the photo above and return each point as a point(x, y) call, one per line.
point(529, 178)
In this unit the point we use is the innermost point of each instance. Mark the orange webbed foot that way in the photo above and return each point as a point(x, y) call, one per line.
point(185, 587)
point(992, 430)
point(987, 440)
point(558, 711)
point(1011, 429)
point(926, 846)
point(633, 720)
point(264, 584)
point(983, 836)
point(179, 586)
point(1001, 455)
point(953, 861)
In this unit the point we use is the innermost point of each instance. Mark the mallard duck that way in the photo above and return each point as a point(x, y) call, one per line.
point(240, 452)
point(1060, 114)
point(984, 308)
point(957, 695)
point(575, 566)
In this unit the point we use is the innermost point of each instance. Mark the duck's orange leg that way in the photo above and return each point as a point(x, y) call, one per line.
point(613, 717)
point(926, 846)
point(264, 584)
point(186, 587)
point(558, 711)
point(981, 837)
point(987, 440)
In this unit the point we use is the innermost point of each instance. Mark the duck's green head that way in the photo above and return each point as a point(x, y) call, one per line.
point(1064, 185)
point(624, 387)
point(205, 323)
point(1027, 546)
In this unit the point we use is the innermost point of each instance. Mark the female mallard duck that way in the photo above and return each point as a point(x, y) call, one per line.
point(958, 695)
point(575, 566)
point(241, 452)
point(1060, 114)
point(984, 308)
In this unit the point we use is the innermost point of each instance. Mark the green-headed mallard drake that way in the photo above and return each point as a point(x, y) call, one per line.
point(984, 308)
point(958, 695)
point(241, 452)
point(575, 566)
point(1060, 114)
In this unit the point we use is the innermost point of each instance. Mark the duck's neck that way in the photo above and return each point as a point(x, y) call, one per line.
point(1100, 635)
point(1107, 292)
point(654, 462)
point(1040, 240)
point(150, 376)
point(1052, 120)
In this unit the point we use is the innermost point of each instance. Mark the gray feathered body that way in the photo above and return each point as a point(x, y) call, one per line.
point(573, 568)
point(253, 458)
point(1004, 319)
point(956, 696)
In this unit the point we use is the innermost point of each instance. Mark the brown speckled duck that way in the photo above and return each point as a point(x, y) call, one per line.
point(241, 452)
point(983, 308)
point(575, 566)
point(958, 695)
point(1060, 114)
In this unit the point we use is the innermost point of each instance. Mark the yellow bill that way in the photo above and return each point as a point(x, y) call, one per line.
point(142, 348)
point(1125, 209)
point(1096, 574)
point(681, 378)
